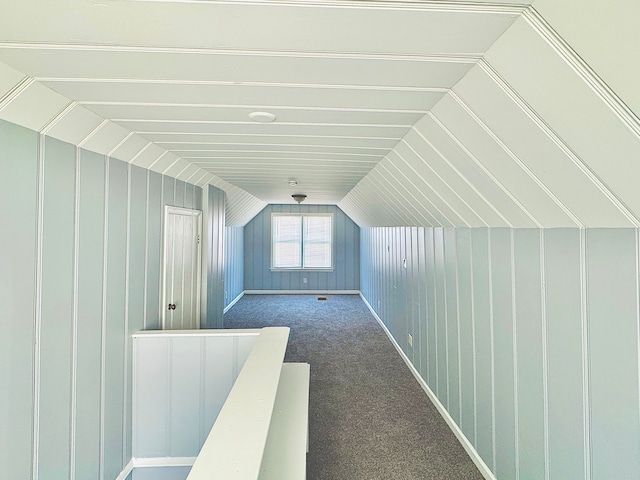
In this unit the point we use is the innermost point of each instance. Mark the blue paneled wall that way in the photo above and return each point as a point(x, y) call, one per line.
point(528, 337)
point(233, 263)
point(257, 254)
point(80, 246)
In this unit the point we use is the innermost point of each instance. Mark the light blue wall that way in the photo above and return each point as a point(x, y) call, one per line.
point(233, 263)
point(80, 240)
point(257, 254)
point(213, 230)
point(528, 337)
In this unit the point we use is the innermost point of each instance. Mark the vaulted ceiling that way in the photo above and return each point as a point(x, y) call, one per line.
point(403, 113)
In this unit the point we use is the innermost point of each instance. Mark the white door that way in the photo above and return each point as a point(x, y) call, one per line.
point(181, 268)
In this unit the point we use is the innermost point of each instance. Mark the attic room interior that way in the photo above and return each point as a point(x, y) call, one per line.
point(475, 164)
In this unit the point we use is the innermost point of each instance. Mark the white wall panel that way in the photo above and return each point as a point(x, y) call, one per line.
point(483, 344)
point(453, 323)
point(530, 335)
point(180, 382)
point(612, 302)
point(91, 203)
point(467, 333)
point(554, 166)
point(18, 256)
point(56, 343)
point(553, 89)
point(565, 317)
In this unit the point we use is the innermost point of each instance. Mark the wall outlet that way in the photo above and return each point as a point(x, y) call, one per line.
point(304, 279)
point(410, 339)
point(404, 263)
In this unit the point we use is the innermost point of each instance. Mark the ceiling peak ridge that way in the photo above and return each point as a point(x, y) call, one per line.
point(555, 138)
point(583, 69)
point(95, 47)
point(424, 5)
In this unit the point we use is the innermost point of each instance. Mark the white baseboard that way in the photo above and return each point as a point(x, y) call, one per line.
point(302, 292)
point(484, 469)
point(126, 471)
point(233, 302)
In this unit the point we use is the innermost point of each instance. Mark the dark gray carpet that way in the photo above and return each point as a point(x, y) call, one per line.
point(369, 418)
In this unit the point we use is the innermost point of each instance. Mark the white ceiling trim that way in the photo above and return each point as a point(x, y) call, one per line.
point(90, 135)
point(122, 142)
point(15, 91)
point(485, 170)
point(285, 124)
point(525, 168)
point(453, 190)
point(255, 107)
point(584, 71)
point(571, 155)
point(432, 6)
point(46, 128)
point(87, 47)
point(161, 81)
point(464, 178)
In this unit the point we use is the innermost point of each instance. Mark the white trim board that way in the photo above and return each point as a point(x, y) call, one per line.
point(128, 468)
point(477, 460)
point(233, 302)
point(301, 292)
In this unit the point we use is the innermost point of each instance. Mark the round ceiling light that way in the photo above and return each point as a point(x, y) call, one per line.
point(262, 117)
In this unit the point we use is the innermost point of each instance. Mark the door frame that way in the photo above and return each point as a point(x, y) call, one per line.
point(171, 210)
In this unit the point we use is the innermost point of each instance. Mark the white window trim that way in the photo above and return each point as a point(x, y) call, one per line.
point(302, 269)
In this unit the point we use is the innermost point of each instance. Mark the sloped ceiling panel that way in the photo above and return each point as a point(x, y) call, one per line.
point(525, 139)
point(586, 120)
point(605, 36)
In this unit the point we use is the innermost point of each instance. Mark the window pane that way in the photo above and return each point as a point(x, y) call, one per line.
point(317, 242)
point(287, 248)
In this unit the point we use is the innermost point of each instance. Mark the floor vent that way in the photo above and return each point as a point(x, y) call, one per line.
point(322, 298)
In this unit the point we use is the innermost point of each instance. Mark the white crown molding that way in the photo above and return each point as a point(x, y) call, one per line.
point(584, 71)
point(555, 138)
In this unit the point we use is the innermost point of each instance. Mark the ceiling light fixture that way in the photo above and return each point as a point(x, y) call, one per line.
point(299, 197)
point(293, 182)
point(262, 117)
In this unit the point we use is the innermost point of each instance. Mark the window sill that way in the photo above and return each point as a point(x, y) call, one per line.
point(326, 270)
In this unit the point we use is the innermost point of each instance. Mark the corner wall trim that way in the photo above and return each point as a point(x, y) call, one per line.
point(484, 469)
point(233, 302)
point(302, 292)
point(128, 468)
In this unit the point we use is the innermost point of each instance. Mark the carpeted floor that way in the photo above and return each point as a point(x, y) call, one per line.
point(369, 418)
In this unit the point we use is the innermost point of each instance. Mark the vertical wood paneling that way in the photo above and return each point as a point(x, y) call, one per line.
point(612, 294)
point(453, 335)
point(563, 300)
point(18, 217)
point(432, 362)
point(89, 305)
point(214, 245)
point(135, 281)
point(115, 318)
point(257, 254)
point(503, 335)
point(180, 192)
point(483, 344)
point(467, 353)
point(79, 390)
point(441, 318)
point(57, 310)
point(529, 340)
point(168, 190)
point(154, 245)
point(233, 263)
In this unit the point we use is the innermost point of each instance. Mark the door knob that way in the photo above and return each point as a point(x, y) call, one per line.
point(172, 306)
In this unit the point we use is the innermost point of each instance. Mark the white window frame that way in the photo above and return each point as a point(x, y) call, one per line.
point(302, 268)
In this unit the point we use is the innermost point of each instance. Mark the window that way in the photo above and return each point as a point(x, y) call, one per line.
point(301, 241)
